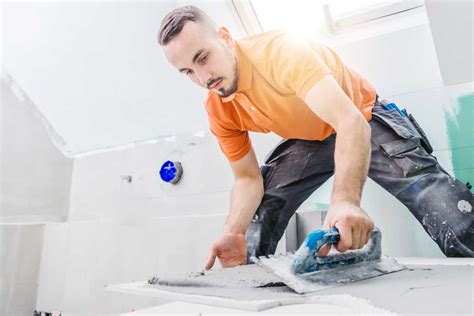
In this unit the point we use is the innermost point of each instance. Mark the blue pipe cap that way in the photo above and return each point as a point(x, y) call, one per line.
point(171, 172)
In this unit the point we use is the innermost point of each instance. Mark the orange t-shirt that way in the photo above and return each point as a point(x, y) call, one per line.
point(276, 72)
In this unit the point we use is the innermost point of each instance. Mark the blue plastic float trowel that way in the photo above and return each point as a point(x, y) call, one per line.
point(304, 272)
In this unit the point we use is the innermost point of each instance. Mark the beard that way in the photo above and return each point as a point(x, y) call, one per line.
point(223, 92)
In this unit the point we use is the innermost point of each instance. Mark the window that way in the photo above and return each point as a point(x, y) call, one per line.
point(316, 17)
point(301, 16)
point(343, 14)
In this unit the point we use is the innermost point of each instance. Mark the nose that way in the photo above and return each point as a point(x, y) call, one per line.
point(203, 77)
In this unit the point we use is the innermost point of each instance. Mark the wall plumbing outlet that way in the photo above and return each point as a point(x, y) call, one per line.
point(171, 172)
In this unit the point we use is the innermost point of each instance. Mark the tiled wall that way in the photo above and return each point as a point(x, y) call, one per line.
point(34, 188)
point(20, 252)
point(35, 175)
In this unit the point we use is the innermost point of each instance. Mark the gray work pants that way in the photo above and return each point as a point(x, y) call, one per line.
point(399, 163)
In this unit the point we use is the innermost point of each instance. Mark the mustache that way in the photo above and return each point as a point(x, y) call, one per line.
point(213, 81)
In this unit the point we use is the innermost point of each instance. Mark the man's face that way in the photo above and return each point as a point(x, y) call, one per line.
point(207, 57)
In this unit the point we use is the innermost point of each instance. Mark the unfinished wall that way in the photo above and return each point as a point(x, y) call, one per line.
point(35, 175)
point(34, 188)
point(20, 253)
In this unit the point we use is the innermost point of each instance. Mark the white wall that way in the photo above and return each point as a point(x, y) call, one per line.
point(453, 40)
point(35, 175)
point(20, 252)
point(35, 180)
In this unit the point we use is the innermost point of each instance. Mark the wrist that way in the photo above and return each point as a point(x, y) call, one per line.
point(355, 201)
point(228, 229)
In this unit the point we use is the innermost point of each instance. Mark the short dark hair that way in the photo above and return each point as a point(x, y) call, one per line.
point(174, 21)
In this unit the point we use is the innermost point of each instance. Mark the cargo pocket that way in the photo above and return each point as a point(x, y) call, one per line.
point(394, 121)
point(409, 156)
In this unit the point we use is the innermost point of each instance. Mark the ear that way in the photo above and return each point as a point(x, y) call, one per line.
point(225, 35)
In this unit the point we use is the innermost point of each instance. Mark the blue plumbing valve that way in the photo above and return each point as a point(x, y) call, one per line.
point(171, 171)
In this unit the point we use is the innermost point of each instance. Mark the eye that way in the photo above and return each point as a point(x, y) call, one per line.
point(187, 72)
point(204, 59)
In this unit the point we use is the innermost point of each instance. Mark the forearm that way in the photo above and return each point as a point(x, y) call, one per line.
point(246, 196)
point(352, 159)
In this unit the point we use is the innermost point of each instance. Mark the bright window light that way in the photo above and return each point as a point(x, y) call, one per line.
point(318, 17)
point(341, 8)
point(344, 14)
point(300, 17)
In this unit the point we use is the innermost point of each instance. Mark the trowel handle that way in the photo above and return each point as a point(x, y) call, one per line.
point(305, 258)
point(318, 238)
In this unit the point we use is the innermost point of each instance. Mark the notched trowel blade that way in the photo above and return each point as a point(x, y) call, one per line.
point(304, 272)
point(280, 265)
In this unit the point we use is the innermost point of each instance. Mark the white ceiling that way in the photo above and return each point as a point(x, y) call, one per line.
point(96, 72)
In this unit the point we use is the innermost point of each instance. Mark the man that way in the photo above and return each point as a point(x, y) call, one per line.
point(304, 93)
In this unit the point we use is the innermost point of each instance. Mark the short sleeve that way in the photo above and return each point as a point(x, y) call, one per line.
point(295, 65)
point(235, 144)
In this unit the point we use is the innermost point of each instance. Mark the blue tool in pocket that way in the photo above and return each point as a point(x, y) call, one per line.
point(393, 106)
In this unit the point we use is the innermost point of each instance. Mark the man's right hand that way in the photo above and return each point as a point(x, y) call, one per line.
point(231, 249)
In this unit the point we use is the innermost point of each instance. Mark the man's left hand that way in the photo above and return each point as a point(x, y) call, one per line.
point(231, 249)
point(353, 223)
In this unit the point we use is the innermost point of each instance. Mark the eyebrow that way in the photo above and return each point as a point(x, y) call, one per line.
point(199, 52)
point(196, 56)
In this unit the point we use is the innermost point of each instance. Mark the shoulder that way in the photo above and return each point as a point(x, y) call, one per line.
point(258, 45)
point(278, 47)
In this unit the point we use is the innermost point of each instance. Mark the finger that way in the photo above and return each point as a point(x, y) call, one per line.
point(362, 239)
point(356, 238)
point(324, 250)
point(210, 262)
point(345, 233)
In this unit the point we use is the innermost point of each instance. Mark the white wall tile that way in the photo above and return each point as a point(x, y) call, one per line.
point(35, 175)
point(20, 252)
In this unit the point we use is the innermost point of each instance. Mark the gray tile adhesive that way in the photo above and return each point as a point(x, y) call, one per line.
point(248, 282)
point(433, 288)
point(249, 288)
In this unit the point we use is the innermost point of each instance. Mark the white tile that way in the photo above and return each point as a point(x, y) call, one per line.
point(20, 250)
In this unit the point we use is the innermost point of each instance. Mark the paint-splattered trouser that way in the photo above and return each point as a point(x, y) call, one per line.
point(399, 163)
